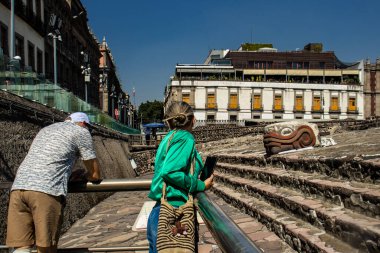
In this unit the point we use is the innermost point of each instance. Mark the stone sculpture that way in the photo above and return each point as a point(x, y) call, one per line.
point(285, 136)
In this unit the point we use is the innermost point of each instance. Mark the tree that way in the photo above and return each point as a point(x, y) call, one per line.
point(151, 111)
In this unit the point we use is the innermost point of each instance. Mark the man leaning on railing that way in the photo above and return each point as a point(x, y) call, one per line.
point(38, 192)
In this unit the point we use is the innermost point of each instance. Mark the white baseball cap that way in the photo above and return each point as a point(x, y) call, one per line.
point(80, 117)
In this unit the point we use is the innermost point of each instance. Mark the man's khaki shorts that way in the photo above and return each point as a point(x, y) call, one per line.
point(34, 218)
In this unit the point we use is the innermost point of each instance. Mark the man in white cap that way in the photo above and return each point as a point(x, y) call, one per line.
point(39, 190)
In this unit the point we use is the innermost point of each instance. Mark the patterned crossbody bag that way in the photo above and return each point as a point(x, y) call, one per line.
point(176, 226)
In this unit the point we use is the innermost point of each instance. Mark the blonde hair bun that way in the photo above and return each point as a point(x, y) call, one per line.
point(179, 115)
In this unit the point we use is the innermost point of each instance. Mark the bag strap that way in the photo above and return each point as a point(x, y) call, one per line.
point(191, 169)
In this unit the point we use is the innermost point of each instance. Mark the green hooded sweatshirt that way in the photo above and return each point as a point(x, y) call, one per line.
point(172, 165)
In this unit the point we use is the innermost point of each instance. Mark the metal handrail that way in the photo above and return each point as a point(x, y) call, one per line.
point(229, 236)
point(106, 185)
point(100, 249)
point(105, 249)
point(112, 185)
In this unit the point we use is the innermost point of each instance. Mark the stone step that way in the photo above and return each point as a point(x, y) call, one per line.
point(267, 240)
point(300, 235)
point(360, 197)
point(359, 169)
point(358, 230)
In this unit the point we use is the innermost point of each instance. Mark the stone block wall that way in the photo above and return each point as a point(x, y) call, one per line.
point(144, 161)
point(223, 131)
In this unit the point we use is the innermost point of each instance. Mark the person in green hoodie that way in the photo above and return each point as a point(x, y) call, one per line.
point(172, 165)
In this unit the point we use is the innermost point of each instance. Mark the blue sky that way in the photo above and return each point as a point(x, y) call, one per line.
point(149, 37)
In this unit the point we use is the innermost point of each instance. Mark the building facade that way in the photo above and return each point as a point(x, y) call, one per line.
point(77, 49)
point(267, 84)
point(37, 24)
point(113, 100)
point(372, 89)
point(29, 38)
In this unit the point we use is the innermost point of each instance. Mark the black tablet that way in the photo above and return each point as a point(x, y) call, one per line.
point(208, 167)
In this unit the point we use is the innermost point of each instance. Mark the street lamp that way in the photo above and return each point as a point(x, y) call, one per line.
point(113, 95)
point(131, 111)
point(86, 71)
point(120, 105)
point(80, 13)
point(55, 37)
point(103, 80)
point(14, 67)
point(104, 91)
point(125, 106)
point(129, 107)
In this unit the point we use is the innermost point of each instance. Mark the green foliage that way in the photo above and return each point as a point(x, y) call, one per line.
point(318, 48)
point(151, 111)
point(314, 47)
point(254, 46)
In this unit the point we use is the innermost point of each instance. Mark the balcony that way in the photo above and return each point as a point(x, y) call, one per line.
point(334, 110)
point(278, 109)
point(211, 106)
point(316, 110)
point(257, 109)
point(299, 109)
point(233, 107)
point(352, 111)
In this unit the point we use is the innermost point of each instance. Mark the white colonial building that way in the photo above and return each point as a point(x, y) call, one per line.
point(266, 84)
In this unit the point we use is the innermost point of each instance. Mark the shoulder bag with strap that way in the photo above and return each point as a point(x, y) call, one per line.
point(176, 226)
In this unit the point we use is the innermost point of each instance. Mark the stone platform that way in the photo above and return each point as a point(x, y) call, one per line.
point(110, 224)
point(319, 200)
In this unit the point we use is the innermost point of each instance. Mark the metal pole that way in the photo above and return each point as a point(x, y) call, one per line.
point(55, 58)
point(130, 114)
point(12, 31)
point(251, 104)
point(133, 120)
point(112, 107)
point(107, 185)
point(112, 185)
point(125, 114)
point(141, 121)
point(129, 248)
point(229, 236)
point(119, 106)
point(85, 250)
point(85, 84)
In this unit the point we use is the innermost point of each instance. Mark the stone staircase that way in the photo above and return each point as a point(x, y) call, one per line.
point(312, 210)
